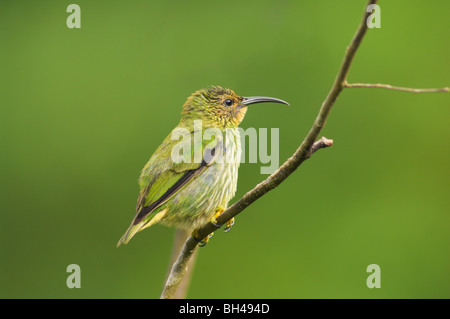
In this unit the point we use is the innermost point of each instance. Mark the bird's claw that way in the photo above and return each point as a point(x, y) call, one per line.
point(214, 218)
point(201, 242)
point(205, 240)
point(228, 225)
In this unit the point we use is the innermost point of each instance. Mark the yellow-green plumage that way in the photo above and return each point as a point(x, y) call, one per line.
point(187, 195)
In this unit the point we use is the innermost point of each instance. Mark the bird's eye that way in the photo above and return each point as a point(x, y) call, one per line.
point(228, 102)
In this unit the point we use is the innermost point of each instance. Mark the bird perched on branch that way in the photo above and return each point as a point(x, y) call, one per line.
point(189, 189)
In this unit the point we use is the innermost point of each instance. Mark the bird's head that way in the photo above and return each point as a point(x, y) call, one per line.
point(220, 107)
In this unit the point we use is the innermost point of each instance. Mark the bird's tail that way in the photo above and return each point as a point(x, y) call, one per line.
point(131, 231)
point(134, 229)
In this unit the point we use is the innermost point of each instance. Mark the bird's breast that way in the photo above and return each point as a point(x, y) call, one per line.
point(195, 204)
point(219, 181)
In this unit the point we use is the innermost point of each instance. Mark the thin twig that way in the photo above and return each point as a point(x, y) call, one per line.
point(180, 238)
point(322, 143)
point(179, 269)
point(396, 88)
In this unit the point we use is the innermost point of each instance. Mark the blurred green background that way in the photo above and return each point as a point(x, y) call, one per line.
point(82, 110)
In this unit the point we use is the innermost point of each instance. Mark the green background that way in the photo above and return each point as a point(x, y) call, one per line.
point(82, 110)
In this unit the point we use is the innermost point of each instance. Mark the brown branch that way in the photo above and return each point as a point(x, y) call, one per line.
point(396, 88)
point(308, 147)
point(322, 143)
point(179, 281)
point(179, 268)
point(288, 167)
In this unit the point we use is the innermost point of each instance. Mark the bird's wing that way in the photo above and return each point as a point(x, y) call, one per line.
point(162, 178)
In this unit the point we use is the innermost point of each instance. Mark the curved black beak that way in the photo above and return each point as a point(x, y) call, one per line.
point(261, 99)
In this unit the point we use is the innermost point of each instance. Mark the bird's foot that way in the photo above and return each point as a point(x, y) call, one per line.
point(201, 242)
point(215, 216)
point(228, 224)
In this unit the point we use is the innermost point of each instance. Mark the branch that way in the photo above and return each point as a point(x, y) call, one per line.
point(322, 143)
point(308, 147)
point(288, 167)
point(179, 267)
point(396, 88)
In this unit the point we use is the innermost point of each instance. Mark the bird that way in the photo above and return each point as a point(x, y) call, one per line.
point(185, 186)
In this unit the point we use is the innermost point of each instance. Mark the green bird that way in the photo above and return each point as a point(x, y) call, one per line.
point(186, 184)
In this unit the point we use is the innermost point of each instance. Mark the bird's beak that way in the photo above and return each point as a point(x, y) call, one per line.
point(261, 99)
